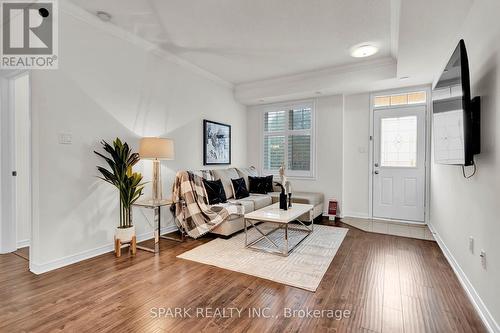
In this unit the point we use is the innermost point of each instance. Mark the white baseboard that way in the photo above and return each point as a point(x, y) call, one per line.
point(72, 259)
point(356, 215)
point(341, 215)
point(23, 243)
point(485, 315)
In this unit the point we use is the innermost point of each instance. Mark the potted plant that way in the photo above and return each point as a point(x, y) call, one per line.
point(120, 160)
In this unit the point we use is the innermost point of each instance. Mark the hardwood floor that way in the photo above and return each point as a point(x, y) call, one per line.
point(388, 283)
point(23, 252)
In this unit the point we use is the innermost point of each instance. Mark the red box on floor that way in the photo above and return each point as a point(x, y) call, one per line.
point(332, 207)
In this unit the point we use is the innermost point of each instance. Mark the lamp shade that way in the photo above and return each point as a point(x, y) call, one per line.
point(156, 148)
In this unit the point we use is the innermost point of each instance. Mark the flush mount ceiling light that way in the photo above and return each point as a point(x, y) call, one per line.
point(363, 50)
point(104, 16)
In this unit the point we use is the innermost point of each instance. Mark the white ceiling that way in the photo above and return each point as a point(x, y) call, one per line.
point(280, 49)
point(241, 40)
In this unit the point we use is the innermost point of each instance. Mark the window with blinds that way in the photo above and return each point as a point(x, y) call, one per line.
point(288, 139)
point(417, 97)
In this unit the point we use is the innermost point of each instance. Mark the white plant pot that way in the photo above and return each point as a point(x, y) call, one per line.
point(125, 234)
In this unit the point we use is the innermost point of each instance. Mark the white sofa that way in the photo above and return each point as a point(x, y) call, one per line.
point(255, 201)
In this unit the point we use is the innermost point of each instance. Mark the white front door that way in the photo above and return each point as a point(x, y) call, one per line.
point(399, 163)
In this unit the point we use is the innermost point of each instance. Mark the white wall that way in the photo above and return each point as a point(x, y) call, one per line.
point(459, 207)
point(356, 123)
point(328, 178)
point(107, 87)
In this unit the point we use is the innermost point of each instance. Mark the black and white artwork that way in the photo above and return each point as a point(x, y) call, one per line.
point(216, 143)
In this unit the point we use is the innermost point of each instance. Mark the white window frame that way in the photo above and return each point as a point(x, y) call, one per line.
point(398, 92)
point(286, 107)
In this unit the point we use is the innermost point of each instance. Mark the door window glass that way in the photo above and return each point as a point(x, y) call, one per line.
point(398, 142)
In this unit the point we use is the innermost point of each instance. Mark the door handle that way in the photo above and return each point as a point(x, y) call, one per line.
point(375, 172)
point(376, 165)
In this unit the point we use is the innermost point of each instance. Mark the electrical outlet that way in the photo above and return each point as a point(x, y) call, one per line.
point(483, 258)
point(471, 244)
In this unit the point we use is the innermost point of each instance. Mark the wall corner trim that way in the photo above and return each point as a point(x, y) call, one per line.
point(485, 315)
point(74, 258)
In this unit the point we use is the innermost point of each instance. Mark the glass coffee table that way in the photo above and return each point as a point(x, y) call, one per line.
point(277, 231)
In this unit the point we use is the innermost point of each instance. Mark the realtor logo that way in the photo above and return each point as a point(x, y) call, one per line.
point(29, 34)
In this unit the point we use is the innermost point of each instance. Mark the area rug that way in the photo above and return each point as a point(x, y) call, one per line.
point(303, 268)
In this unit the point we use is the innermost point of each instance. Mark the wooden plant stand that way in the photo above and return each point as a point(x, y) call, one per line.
point(132, 246)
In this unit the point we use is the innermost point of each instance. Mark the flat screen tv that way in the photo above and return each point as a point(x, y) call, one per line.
point(455, 116)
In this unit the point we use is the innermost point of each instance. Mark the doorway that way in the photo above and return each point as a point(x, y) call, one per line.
point(16, 166)
point(399, 163)
point(21, 173)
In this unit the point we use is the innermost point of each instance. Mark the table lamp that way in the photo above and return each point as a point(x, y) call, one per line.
point(156, 149)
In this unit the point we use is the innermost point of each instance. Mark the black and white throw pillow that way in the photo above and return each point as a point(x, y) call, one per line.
point(260, 185)
point(269, 184)
point(239, 188)
point(215, 191)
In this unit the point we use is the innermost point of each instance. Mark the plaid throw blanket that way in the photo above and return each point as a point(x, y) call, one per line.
point(193, 213)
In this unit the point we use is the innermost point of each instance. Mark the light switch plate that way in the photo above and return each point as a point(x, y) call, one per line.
point(65, 138)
